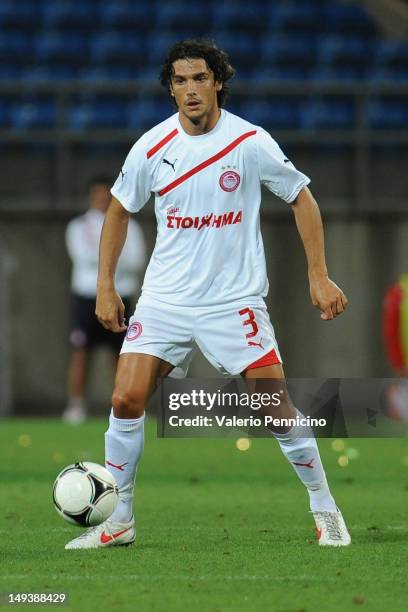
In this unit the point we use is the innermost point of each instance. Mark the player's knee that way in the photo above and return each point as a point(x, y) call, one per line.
point(128, 403)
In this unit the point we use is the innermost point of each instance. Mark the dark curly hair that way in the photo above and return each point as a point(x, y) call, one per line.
point(216, 60)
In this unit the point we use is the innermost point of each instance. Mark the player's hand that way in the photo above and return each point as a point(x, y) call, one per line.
point(110, 310)
point(327, 297)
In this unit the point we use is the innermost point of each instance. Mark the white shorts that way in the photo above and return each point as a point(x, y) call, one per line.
point(232, 336)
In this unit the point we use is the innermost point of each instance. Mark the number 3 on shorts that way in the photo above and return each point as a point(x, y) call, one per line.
point(249, 321)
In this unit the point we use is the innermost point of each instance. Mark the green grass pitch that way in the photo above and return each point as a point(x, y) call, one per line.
point(218, 529)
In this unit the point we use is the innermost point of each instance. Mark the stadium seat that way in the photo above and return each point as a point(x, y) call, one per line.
point(388, 75)
point(146, 113)
point(388, 114)
point(328, 114)
point(117, 47)
point(23, 14)
point(191, 16)
point(10, 72)
point(4, 113)
point(347, 17)
point(100, 114)
point(339, 50)
point(94, 74)
point(238, 16)
point(33, 114)
point(333, 74)
point(271, 114)
point(283, 50)
point(65, 13)
point(279, 73)
point(15, 46)
point(294, 17)
point(158, 43)
point(241, 48)
point(392, 53)
point(125, 14)
point(60, 46)
point(49, 73)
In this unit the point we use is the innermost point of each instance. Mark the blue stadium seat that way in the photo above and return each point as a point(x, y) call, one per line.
point(4, 113)
point(158, 43)
point(193, 16)
point(94, 74)
point(279, 73)
point(241, 48)
point(340, 50)
point(239, 16)
point(61, 46)
point(22, 14)
point(327, 114)
point(15, 46)
point(115, 46)
point(10, 72)
point(34, 114)
point(126, 14)
point(144, 114)
point(271, 114)
point(294, 17)
point(345, 74)
point(392, 53)
point(49, 73)
point(351, 18)
point(380, 74)
point(100, 114)
point(388, 114)
point(68, 13)
point(283, 50)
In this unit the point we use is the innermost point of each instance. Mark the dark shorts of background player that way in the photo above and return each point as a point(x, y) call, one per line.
point(86, 332)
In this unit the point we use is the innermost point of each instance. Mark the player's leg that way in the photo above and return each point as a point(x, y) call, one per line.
point(241, 340)
point(299, 446)
point(81, 341)
point(135, 382)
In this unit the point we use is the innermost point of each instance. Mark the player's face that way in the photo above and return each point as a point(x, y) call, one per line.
point(194, 88)
point(100, 197)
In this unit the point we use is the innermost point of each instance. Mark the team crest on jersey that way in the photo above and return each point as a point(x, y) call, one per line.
point(134, 331)
point(229, 180)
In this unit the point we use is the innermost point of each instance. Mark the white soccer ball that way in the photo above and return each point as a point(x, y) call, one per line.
point(85, 494)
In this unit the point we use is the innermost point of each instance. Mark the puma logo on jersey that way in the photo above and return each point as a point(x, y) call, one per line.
point(210, 220)
point(251, 343)
point(166, 161)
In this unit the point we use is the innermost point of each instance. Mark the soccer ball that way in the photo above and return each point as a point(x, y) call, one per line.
point(85, 493)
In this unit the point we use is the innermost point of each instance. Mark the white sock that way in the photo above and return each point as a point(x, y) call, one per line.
point(124, 443)
point(300, 447)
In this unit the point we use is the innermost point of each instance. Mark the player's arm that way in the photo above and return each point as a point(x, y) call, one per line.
point(325, 294)
point(110, 310)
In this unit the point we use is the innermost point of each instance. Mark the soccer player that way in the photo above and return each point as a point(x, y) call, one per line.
point(206, 279)
point(82, 239)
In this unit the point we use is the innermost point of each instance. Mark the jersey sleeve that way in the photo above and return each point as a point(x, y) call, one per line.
point(133, 186)
point(276, 171)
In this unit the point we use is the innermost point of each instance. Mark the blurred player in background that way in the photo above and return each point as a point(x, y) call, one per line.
point(82, 240)
point(206, 280)
point(395, 331)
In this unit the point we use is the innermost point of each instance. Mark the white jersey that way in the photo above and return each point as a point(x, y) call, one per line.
point(82, 239)
point(207, 188)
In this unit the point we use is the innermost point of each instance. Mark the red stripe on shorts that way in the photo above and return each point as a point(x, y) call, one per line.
point(270, 359)
point(206, 163)
point(161, 144)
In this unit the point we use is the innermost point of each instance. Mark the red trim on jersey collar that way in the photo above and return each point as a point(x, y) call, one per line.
point(270, 358)
point(207, 162)
point(161, 144)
